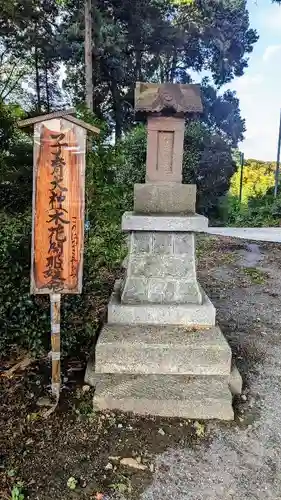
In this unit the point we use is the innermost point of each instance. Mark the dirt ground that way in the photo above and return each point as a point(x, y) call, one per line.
point(75, 446)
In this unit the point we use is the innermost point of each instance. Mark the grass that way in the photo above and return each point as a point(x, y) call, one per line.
point(256, 276)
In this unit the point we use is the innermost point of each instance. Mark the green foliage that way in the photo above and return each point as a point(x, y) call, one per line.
point(258, 206)
point(17, 492)
point(154, 40)
point(132, 158)
point(72, 483)
point(24, 319)
point(182, 2)
point(258, 178)
point(263, 211)
point(208, 164)
point(256, 276)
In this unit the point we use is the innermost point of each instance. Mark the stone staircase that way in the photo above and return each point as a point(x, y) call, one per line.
point(167, 370)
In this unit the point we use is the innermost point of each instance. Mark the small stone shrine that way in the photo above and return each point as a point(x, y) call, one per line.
point(161, 352)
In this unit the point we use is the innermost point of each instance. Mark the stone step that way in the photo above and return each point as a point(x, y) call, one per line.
point(198, 315)
point(165, 395)
point(161, 350)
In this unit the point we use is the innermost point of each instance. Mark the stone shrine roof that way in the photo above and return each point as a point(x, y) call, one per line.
point(168, 97)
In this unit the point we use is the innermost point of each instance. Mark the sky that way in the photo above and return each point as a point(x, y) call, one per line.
point(259, 89)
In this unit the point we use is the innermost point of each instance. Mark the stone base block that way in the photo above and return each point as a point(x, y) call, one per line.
point(142, 290)
point(160, 350)
point(165, 395)
point(193, 315)
point(161, 269)
point(171, 223)
point(165, 198)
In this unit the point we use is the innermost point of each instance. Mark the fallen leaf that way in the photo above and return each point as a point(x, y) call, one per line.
point(151, 468)
point(120, 487)
point(32, 416)
point(21, 365)
point(131, 462)
point(72, 483)
point(199, 429)
point(99, 496)
point(44, 401)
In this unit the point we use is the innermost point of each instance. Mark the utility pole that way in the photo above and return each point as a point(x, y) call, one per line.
point(89, 90)
point(241, 176)
point(277, 170)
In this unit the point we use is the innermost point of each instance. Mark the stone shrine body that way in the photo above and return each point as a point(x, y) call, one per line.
point(161, 352)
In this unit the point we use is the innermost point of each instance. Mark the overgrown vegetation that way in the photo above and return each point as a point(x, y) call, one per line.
point(258, 206)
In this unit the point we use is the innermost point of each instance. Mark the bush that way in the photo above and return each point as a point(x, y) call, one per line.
point(15, 162)
point(25, 319)
point(261, 211)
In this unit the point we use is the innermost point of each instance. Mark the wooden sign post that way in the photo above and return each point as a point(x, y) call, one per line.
point(58, 214)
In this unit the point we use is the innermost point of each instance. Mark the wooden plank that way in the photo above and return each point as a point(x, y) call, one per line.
point(49, 116)
point(58, 207)
point(83, 124)
point(55, 341)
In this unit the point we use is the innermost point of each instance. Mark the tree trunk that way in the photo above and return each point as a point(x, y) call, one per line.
point(117, 110)
point(174, 66)
point(37, 76)
point(138, 73)
point(89, 90)
point(47, 87)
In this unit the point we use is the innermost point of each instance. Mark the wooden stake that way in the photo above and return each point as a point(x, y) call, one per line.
point(55, 340)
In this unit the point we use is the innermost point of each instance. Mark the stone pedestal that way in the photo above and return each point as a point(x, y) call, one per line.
point(161, 261)
point(161, 198)
point(161, 352)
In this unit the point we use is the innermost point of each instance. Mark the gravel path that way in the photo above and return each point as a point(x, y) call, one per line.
point(243, 459)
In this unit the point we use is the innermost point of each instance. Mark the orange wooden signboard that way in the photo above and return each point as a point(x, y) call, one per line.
point(58, 214)
point(58, 207)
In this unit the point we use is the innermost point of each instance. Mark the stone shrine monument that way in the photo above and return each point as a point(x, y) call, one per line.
point(161, 352)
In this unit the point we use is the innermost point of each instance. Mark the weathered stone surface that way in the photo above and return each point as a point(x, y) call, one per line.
point(161, 349)
point(139, 290)
point(135, 290)
point(188, 291)
point(141, 242)
point(235, 382)
point(162, 243)
point(164, 198)
point(165, 395)
point(161, 269)
point(173, 243)
point(161, 266)
point(156, 97)
point(165, 136)
point(184, 243)
point(198, 315)
point(172, 223)
point(161, 291)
